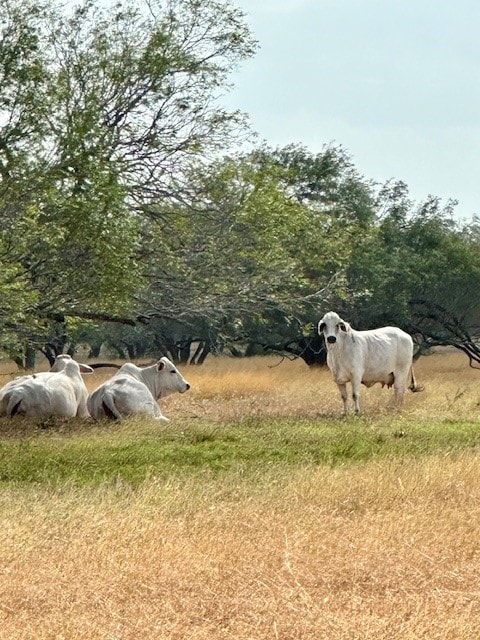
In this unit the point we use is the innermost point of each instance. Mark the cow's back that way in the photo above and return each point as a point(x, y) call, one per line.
point(385, 351)
point(127, 393)
point(43, 397)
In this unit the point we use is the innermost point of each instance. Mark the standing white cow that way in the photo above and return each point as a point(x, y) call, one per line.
point(58, 392)
point(136, 390)
point(382, 355)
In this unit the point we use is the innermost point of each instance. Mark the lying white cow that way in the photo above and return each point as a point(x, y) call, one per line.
point(382, 355)
point(136, 390)
point(58, 392)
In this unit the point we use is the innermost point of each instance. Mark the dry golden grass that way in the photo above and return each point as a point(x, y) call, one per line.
point(230, 388)
point(373, 551)
point(380, 550)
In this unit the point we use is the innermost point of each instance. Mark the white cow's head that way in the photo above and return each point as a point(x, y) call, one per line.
point(61, 362)
point(64, 361)
point(170, 378)
point(333, 327)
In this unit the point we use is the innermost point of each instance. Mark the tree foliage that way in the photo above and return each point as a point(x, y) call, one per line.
point(122, 199)
point(102, 109)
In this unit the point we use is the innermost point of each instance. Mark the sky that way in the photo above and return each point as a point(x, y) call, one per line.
point(396, 83)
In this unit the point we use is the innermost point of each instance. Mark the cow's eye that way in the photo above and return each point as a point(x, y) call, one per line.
point(322, 326)
point(342, 326)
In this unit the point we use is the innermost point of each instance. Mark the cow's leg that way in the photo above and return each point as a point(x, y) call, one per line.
point(356, 394)
point(399, 389)
point(158, 415)
point(399, 386)
point(343, 392)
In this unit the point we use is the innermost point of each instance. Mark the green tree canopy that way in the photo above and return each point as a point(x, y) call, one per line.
point(102, 109)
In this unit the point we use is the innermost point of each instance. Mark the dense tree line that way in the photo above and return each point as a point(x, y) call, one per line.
point(130, 219)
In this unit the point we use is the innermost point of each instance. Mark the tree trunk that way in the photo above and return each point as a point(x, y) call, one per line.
point(30, 354)
point(205, 351)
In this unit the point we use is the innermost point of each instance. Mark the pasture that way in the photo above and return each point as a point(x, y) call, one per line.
point(257, 513)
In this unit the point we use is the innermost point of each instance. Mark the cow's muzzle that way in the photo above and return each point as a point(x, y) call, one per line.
point(331, 339)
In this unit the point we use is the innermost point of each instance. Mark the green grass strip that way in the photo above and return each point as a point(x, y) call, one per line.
point(91, 456)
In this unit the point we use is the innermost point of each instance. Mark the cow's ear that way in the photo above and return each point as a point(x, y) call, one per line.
point(342, 326)
point(160, 365)
point(321, 327)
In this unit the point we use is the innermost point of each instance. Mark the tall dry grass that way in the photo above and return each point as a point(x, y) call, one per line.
point(233, 388)
point(230, 388)
point(373, 551)
point(376, 550)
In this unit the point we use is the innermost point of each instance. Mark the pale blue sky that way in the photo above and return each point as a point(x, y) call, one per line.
point(395, 82)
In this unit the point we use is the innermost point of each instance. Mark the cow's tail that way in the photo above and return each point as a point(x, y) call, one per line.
point(108, 406)
point(413, 382)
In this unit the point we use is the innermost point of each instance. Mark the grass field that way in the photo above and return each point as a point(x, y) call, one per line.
point(257, 513)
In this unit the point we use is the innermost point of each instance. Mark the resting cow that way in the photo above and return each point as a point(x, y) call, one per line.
point(382, 355)
point(136, 390)
point(58, 392)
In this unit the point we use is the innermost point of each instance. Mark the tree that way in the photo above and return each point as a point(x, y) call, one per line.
point(339, 221)
point(248, 261)
point(101, 111)
point(420, 271)
point(223, 261)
